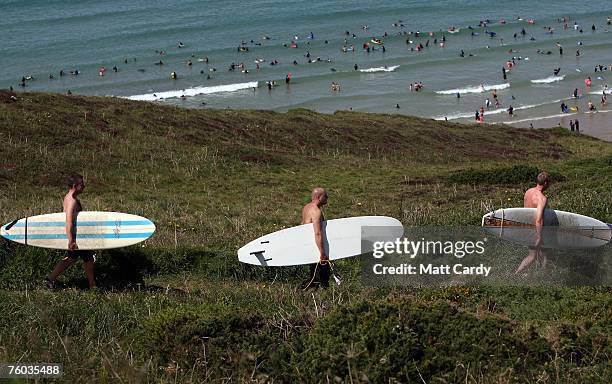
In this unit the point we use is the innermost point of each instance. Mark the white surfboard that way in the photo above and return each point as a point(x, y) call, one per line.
point(95, 230)
point(342, 238)
point(561, 230)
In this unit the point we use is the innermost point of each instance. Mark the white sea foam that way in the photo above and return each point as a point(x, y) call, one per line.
point(601, 92)
point(194, 91)
point(539, 118)
point(549, 79)
point(528, 106)
point(455, 116)
point(464, 115)
point(380, 69)
point(475, 89)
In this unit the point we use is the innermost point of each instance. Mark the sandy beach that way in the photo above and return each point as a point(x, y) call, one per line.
point(597, 124)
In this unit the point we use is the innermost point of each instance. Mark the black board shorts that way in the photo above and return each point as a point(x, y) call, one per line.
point(84, 255)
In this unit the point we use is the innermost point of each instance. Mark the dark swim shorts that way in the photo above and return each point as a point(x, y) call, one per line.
point(84, 255)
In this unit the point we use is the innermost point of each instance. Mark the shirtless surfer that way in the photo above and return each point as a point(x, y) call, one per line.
point(72, 207)
point(534, 198)
point(311, 213)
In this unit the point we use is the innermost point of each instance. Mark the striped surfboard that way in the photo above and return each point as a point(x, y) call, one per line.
point(95, 230)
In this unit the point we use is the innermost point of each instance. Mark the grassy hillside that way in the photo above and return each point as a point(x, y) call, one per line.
point(181, 307)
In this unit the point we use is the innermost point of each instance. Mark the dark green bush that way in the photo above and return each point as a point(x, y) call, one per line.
point(219, 341)
point(403, 340)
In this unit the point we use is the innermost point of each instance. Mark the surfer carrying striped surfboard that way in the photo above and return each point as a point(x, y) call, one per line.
point(72, 207)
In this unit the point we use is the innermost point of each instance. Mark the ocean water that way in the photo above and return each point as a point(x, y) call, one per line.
point(42, 37)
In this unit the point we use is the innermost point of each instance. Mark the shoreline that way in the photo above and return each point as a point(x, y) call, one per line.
point(596, 124)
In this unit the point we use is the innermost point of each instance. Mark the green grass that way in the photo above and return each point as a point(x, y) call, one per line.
point(182, 308)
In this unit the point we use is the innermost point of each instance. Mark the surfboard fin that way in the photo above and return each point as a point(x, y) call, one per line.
point(260, 257)
point(8, 227)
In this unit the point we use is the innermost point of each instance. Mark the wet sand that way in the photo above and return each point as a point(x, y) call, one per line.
point(596, 124)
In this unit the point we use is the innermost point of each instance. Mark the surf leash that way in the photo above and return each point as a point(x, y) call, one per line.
point(335, 275)
point(314, 274)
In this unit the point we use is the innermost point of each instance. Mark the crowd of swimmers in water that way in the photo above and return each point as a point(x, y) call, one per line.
point(377, 44)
